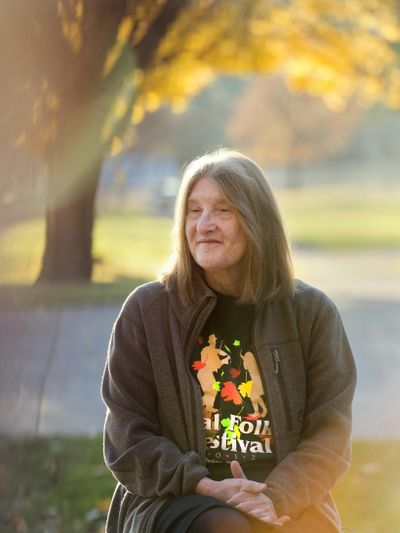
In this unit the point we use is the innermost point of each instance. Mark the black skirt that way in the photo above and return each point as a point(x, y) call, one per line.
point(179, 513)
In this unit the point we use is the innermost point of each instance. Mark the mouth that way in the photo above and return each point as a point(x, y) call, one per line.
point(208, 241)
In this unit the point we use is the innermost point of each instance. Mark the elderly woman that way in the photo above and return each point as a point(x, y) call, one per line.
point(228, 383)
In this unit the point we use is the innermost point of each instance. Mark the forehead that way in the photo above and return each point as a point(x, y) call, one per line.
point(207, 190)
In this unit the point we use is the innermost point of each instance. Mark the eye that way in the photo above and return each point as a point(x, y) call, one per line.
point(193, 210)
point(223, 209)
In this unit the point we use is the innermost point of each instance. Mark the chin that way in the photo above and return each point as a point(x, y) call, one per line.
point(207, 267)
point(208, 264)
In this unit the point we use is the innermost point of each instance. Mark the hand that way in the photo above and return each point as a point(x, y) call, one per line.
point(257, 505)
point(227, 488)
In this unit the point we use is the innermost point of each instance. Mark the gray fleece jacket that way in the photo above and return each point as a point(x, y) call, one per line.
point(154, 439)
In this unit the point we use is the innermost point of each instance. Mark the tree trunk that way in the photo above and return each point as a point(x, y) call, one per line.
point(68, 251)
point(75, 157)
point(75, 160)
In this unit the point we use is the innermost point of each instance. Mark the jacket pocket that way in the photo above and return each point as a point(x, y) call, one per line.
point(282, 387)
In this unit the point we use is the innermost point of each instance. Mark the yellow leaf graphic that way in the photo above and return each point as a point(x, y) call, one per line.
point(245, 388)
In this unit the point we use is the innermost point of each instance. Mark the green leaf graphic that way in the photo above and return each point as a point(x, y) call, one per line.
point(225, 422)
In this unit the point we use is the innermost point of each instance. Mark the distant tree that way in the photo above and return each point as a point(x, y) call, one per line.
point(88, 68)
point(281, 128)
point(200, 128)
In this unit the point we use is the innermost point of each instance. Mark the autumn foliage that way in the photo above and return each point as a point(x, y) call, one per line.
point(82, 71)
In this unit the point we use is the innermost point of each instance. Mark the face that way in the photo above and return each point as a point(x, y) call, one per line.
point(214, 233)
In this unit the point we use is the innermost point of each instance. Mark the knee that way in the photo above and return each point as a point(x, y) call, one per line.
point(220, 520)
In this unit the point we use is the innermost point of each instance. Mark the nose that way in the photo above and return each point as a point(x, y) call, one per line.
point(206, 222)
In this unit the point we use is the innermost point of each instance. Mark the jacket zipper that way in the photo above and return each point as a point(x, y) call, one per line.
point(190, 340)
point(276, 360)
point(263, 380)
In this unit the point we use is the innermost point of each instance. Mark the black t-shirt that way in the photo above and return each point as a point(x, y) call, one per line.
point(236, 418)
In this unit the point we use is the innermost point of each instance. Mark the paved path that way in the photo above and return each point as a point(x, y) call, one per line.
point(51, 360)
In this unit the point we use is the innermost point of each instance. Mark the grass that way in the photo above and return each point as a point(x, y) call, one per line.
point(52, 484)
point(62, 483)
point(129, 247)
point(128, 250)
point(342, 218)
point(124, 246)
point(368, 495)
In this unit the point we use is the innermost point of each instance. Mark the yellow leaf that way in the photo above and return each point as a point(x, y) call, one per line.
point(153, 101)
point(137, 114)
point(116, 146)
point(121, 108)
point(245, 388)
point(115, 51)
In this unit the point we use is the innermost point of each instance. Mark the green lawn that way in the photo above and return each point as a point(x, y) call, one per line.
point(61, 483)
point(129, 247)
point(124, 246)
point(345, 217)
point(128, 250)
point(368, 495)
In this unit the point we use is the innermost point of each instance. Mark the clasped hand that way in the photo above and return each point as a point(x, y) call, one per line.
point(243, 494)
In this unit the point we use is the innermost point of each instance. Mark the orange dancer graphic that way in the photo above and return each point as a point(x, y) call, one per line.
point(212, 358)
point(256, 390)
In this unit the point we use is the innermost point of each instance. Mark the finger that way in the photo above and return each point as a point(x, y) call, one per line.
point(244, 506)
point(281, 521)
point(243, 493)
point(257, 512)
point(237, 470)
point(268, 520)
point(249, 505)
point(250, 488)
point(240, 497)
point(253, 486)
point(261, 514)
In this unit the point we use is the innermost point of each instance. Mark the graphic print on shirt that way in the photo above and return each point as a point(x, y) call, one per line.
point(212, 358)
point(235, 411)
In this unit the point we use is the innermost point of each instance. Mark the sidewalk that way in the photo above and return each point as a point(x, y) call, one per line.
point(51, 360)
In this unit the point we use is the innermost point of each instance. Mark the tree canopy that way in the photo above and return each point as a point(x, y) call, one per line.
point(278, 128)
point(334, 50)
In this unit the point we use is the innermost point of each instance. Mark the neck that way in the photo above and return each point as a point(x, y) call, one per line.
point(224, 283)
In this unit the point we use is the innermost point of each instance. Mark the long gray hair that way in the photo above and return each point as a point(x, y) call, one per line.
point(268, 272)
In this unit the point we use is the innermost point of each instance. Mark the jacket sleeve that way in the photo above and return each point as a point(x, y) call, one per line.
point(307, 474)
point(142, 460)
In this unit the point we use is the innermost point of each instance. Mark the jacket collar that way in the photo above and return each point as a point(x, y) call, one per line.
point(186, 312)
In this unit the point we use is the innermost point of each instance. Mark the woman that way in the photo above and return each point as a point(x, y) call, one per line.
point(228, 383)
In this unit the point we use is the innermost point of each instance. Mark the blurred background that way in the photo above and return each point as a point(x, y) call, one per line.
point(102, 104)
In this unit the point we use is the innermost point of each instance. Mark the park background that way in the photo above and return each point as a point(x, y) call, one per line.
point(102, 105)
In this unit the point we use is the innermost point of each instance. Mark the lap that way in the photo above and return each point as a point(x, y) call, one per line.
point(180, 513)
